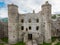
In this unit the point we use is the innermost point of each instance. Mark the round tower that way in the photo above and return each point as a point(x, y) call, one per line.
point(12, 10)
point(46, 10)
point(12, 24)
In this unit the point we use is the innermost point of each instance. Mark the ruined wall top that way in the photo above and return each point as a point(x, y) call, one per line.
point(12, 5)
point(46, 4)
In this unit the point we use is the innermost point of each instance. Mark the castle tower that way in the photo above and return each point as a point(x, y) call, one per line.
point(46, 11)
point(12, 24)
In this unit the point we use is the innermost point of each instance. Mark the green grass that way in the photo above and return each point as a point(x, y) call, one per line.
point(58, 43)
point(1, 44)
point(5, 39)
point(19, 43)
point(22, 43)
point(45, 43)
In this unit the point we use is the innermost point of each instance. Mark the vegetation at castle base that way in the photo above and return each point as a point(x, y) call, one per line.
point(45, 43)
point(19, 43)
point(1, 44)
point(58, 14)
point(5, 39)
point(58, 43)
point(53, 39)
point(53, 17)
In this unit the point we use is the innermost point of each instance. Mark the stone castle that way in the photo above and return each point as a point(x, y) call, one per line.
point(30, 26)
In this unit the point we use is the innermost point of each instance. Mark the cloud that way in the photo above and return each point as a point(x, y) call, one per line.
point(27, 6)
point(3, 13)
point(55, 5)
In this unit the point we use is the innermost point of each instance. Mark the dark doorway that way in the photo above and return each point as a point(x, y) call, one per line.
point(29, 36)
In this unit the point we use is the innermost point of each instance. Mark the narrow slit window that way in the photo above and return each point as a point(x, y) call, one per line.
point(29, 27)
point(22, 27)
point(37, 28)
point(37, 20)
point(29, 20)
point(22, 20)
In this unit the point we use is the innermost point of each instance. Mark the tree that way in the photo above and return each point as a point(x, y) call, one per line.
point(53, 17)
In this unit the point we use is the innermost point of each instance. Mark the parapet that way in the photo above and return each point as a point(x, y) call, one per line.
point(12, 5)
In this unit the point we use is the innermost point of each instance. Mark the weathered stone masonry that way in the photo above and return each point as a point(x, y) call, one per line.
point(30, 26)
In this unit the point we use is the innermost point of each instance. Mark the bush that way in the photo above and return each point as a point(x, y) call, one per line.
point(5, 39)
point(53, 39)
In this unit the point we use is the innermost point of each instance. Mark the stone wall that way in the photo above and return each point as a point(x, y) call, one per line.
point(12, 24)
point(3, 29)
point(56, 27)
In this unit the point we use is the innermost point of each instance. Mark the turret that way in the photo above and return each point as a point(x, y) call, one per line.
point(46, 8)
point(12, 23)
point(46, 11)
point(33, 12)
point(12, 9)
